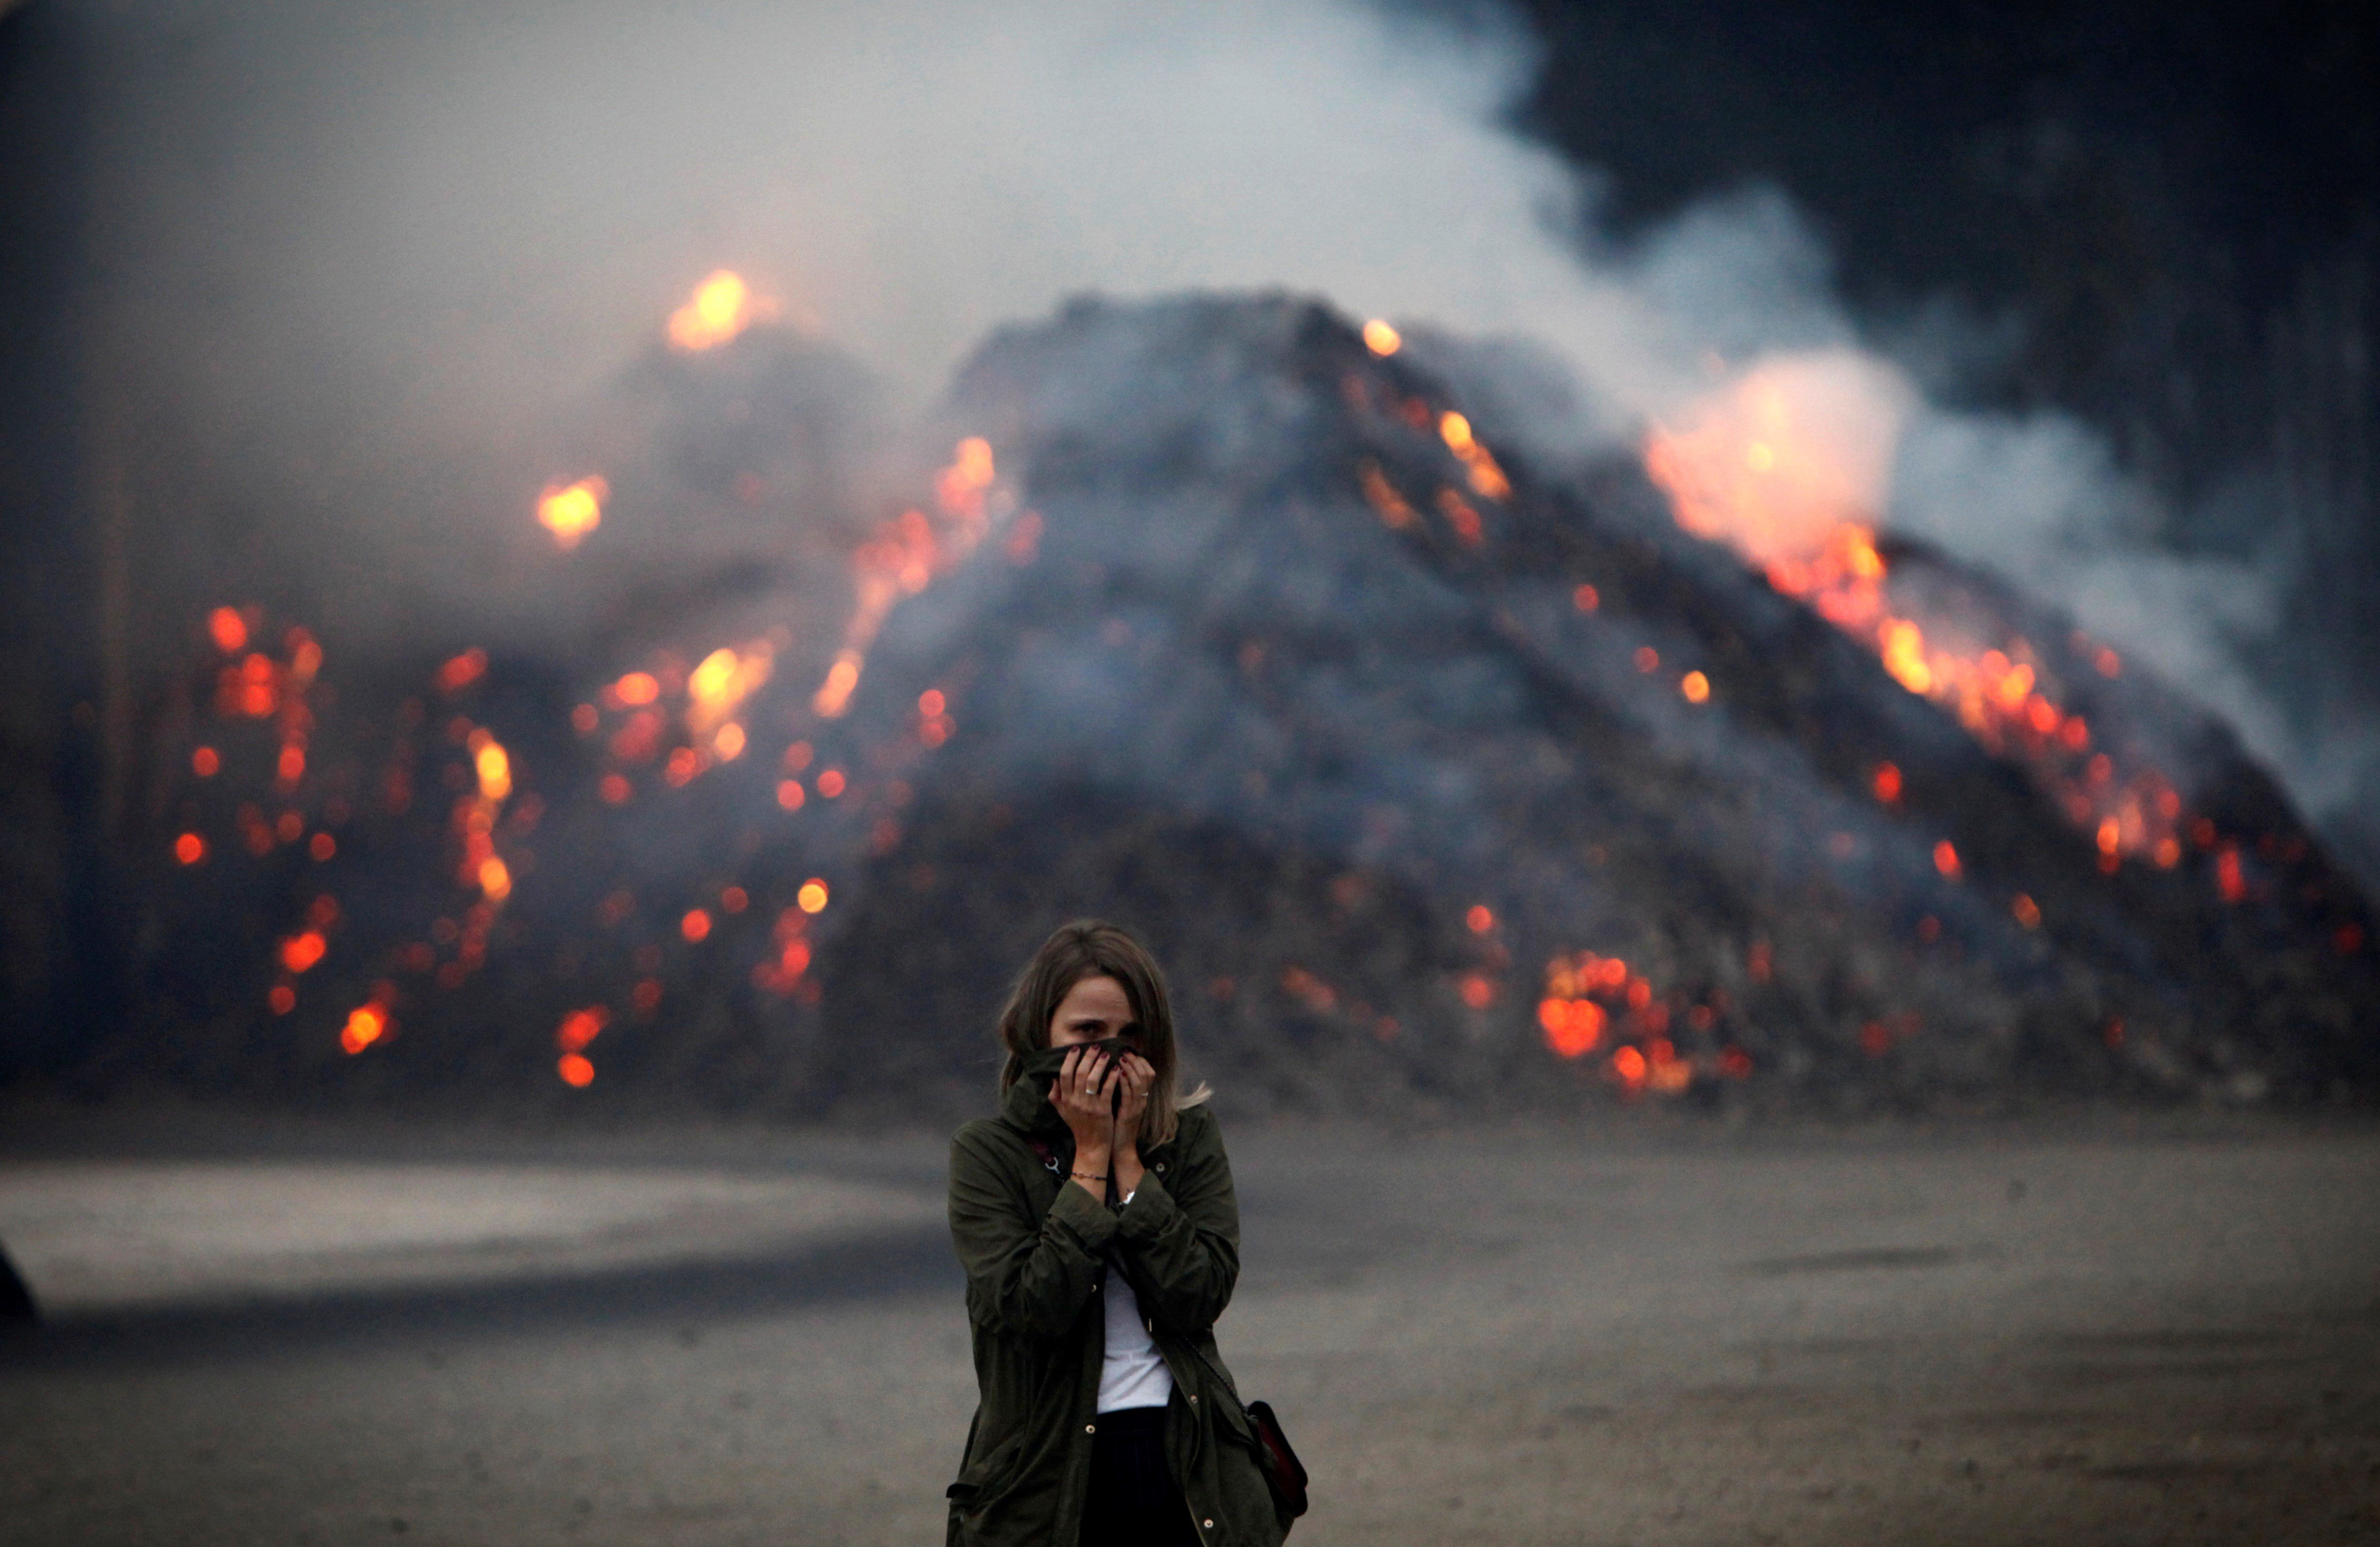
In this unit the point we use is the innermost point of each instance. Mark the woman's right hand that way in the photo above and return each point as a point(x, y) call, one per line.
point(1084, 1094)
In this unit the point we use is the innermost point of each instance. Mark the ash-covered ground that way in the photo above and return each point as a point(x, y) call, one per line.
point(2078, 1330)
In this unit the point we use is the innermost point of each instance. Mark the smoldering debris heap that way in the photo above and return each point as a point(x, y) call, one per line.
point(1433, 777)
point(1428, 776)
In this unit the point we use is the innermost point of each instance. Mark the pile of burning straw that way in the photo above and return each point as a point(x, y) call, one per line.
point(1434, 776)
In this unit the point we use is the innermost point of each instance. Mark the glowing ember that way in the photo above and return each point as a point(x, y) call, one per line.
point(1887, 783)
point(811, 899)
point(475, 819)
point(189, 849)
point(834, 695)
point(1381, 339)
point(1318, 996)
point(722, 306)
point(301, 952)
point(722, 682)
point(463, 671)
point(1479, 919)
point(366, 1024)
point(576, 1070)
point(696, 925)
point(571, 511)
point(1573, 1027)
point(1487, 479)
point(228, 630)
point(2228, 879)
point(1945, 859)
point(495, 771)
point(205, 763)
point(636, 689)
point(581, 1027)
point(1696, 686)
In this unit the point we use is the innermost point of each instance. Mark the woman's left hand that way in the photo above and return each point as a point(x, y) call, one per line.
point(1137, 1076)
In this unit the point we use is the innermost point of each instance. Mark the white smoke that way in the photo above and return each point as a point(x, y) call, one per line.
point(352, 240)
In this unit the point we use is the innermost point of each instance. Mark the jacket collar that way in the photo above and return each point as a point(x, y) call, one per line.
point(1026, 1107)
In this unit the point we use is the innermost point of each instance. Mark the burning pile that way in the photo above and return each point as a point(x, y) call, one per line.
point(1430, 778)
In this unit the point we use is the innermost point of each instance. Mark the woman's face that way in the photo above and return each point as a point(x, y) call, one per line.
point(1094, 1009)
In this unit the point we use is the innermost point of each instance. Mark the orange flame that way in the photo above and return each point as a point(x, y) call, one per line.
point(301, 952)
point(717, 687)
point(581, 1027)
point(228, 630)
point(1572, 1027)
point(722, 306)
point(367, 1024)
point(571, 511)
point(1789, 465)
point(475, 818)
point(904, 557)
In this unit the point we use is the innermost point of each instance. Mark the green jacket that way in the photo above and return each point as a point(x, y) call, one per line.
point(1034, 1247)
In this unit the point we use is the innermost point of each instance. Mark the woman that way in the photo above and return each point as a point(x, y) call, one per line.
point(1096, 1221)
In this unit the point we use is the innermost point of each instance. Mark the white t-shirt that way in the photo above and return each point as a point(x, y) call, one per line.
point(1133, 1374)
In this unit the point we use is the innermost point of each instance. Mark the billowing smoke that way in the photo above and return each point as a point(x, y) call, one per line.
point(368, 270)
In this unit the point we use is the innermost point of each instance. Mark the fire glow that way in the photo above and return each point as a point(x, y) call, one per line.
point(1590, 998)
point(1788, 465)
point(906, 556)
point(571, 511)
point(722, 306)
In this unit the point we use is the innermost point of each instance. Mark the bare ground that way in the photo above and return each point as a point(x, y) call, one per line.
point(2068, 1331)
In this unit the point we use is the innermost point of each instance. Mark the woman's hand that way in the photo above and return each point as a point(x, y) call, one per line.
point(1136, 1076)
point(1085, 1094)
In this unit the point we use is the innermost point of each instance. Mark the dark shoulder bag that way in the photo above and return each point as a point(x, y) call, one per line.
point(1284, 1472)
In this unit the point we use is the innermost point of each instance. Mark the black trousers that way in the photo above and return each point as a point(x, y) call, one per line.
point(1134, 1499)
